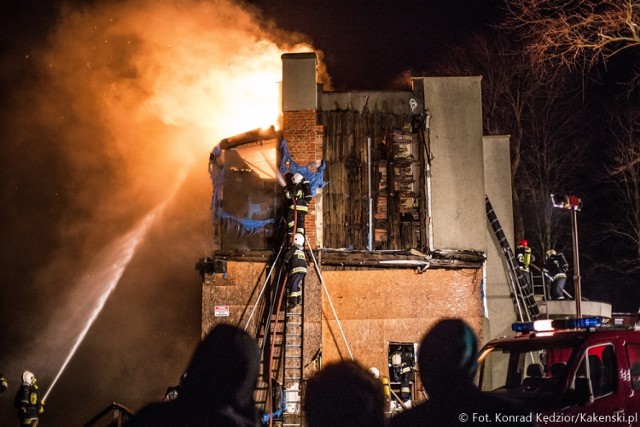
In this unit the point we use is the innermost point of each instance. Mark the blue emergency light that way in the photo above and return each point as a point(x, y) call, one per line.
point(547, 325)
point(581, 323)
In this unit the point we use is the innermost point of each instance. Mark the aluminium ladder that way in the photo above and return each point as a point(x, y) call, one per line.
point(523, 298)
point(280, 338)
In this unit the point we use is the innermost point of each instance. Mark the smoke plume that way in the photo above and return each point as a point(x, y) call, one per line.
point(123, 99)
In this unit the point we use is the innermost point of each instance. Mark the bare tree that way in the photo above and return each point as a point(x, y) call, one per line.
point(624, 173)
point(587, 36)
point(554, 156)
point(575, 33)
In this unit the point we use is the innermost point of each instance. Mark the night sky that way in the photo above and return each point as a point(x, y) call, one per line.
point(73, 183)
point(367, 45)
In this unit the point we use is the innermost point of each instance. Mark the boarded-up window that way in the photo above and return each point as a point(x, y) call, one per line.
point(391, 186)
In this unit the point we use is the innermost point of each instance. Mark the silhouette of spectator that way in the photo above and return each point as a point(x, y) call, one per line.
point(344, 394)
point(218, 387)
point(447, 364)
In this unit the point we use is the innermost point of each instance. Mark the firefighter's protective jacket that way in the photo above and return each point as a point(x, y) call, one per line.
point(28, 403)
point(556, 266)
point(295, 260)
point(299, 195)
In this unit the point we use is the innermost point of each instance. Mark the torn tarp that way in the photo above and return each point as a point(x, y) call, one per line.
point(313, 172)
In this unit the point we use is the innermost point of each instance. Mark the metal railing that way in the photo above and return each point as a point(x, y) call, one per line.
point(119, 414)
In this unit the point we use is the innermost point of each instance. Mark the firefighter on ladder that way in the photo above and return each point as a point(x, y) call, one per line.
point(298, 193)
point(296, 263)
point(524, 257)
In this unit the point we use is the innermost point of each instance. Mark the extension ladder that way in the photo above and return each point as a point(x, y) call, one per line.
point(524, 301)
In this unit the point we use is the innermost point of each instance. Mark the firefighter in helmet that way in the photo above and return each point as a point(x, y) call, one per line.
point(298, 193)
point(296, 263)
point(524, 257)
point(555, 270)
point(406, 372)
point(401, 370)
point(375, 373)
point(28, 401)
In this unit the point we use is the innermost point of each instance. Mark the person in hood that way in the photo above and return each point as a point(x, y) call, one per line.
point(344, 394)
point(447, 364)
point(218, 388)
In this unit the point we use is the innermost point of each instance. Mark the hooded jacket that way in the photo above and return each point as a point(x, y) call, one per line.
point(218, 387)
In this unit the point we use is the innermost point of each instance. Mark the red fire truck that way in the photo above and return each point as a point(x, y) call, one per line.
point(568, 372)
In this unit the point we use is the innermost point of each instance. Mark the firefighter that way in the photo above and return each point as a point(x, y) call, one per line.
point(296, 263)
point(375, 372)
point(524, 257)
point(298, 193)
point(406, 372)
point(555, 270)
point(28, 401)
point(402, 364)
point(448, 365)
point(3, 383)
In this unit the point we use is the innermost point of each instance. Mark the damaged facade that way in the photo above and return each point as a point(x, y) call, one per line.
point(397, 224)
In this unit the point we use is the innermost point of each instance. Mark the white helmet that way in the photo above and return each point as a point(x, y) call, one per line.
point(28, 377)
point(298, 239)
point(551, 252)
point(297, 178)
point(396, 359)
point(374, 371)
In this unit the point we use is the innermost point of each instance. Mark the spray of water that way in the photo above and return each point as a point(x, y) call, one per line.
point(120, 254)
point(123, 94)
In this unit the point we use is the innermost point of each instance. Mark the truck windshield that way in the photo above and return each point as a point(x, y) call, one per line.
point(524, 369)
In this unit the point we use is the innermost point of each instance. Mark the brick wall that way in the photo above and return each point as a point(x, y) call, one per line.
point(304, 141)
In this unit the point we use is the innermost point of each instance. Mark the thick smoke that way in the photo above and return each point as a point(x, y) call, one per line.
point(125, 99)
point(142, 89)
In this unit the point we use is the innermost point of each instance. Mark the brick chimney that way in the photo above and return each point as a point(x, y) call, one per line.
point(303, 135)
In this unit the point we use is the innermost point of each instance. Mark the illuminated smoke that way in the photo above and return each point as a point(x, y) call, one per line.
point(154, 85)
point(101, 280)
point(136, 92)
point(131, 95)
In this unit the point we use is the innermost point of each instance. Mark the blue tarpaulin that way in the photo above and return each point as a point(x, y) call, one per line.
point(313, 172)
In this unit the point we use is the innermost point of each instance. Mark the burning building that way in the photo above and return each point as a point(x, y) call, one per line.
point(396, 233)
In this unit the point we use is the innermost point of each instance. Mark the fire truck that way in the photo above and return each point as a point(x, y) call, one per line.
point(567, 372)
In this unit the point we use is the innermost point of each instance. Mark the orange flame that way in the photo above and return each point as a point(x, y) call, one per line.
point(147, 87)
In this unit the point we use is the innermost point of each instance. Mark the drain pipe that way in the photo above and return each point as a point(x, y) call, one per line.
point(370, 243)
point(427, 126)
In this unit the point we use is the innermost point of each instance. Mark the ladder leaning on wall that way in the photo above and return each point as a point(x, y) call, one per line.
point(280, 337)
point(523, 298)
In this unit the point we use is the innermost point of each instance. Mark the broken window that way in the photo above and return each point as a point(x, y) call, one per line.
point(247, 194)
